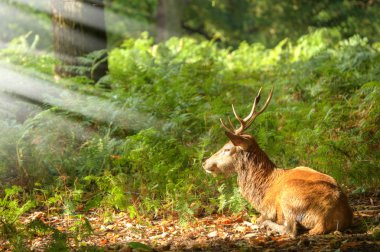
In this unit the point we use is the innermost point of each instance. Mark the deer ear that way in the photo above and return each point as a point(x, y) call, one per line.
point(238, 140)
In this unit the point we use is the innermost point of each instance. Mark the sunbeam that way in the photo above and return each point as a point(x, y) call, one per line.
point(13, 81)
point(92, 9)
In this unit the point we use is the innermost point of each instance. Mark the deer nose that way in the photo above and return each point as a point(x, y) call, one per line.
point(204, 161)
point(209, 165)
point(203, 165)
point(210, 168)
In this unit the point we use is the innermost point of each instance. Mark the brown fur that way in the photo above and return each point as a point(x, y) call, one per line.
point(285, 198)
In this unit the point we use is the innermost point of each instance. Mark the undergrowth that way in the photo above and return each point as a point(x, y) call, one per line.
point(137, 144)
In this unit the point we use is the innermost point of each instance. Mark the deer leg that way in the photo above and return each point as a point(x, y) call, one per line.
point(260, 220)
point(268, 215)
point(289, 228)
point(317, 229)
point(274, 227)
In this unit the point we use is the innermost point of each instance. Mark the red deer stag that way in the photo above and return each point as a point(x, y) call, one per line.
point(286, 199)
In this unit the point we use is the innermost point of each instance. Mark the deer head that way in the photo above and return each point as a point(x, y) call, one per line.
point(224, 161)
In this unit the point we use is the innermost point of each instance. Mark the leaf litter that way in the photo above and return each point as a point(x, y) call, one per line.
point(217, 232)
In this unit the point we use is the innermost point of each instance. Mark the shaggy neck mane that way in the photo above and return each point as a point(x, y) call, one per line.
point(255, 170)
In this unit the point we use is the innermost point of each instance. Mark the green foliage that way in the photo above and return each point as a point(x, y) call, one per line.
point(22, 51)
point(81, 229)
point(11, 208)
point(138, 147)
point(139, 246)
point(110, 191)
point(59, 242)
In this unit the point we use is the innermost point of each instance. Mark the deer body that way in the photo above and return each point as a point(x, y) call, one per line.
point(286, 199)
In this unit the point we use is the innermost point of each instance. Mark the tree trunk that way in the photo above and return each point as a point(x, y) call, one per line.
point(79, 29)
point(169, 14)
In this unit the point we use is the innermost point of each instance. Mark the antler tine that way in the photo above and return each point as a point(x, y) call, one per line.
point(241, 121)
point(225, 127)
point(236, 115)
point(247, 121)
point(255, 102)
point(250, 121)
point(231, 124)
point(266, 102)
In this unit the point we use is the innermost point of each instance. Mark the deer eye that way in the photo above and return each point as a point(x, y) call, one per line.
point(227, 150)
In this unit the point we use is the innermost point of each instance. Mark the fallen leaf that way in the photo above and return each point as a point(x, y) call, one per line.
point(61, 228)
point(103, 242)
point(225, 221)
point(247, 223)
point(350, 245)
point(250, 235)
point(212, 234)
point(241, 229)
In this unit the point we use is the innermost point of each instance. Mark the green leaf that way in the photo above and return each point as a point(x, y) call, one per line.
point(139, 246)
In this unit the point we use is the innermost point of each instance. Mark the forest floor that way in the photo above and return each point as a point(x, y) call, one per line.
point(119, 232)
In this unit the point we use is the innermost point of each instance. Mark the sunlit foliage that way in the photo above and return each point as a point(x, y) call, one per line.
point(325, 114)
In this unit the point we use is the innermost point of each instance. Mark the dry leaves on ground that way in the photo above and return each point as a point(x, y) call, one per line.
point(215, 232)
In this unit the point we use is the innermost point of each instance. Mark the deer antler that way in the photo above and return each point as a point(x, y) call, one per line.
point(247, 121)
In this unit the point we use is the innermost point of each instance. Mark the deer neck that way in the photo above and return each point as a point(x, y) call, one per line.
point(255, 174)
